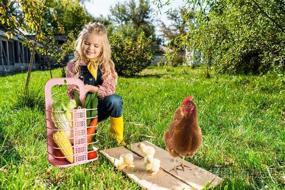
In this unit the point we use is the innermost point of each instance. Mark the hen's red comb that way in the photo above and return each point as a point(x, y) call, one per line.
point(187, 99)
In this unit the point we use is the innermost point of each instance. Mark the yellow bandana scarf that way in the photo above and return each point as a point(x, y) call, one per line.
point(92, 67)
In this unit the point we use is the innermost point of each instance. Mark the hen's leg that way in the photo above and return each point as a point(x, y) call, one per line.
point(181, 166)
point(175, 167)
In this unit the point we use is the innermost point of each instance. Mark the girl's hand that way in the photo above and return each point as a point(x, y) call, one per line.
point(75, 88)
point(90, 88)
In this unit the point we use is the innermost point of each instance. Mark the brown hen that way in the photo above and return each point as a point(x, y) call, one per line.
point(184, 137)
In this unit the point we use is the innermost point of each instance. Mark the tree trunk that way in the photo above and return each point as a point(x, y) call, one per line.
point(32, 59)
point(209, 62)
point(63, 70)
point(207, 71)
point(49, 65)
point(50, 72)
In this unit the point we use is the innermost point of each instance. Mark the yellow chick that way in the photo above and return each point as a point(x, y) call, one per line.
point(124, 161)
point(129, 160)
point(119, 163)
point(146, 150)
point(151, 164)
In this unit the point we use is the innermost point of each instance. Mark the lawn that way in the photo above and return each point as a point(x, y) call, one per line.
point(242, 119)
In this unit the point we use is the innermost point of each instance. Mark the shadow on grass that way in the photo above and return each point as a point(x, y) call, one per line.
point(8, 153)
point(169, 73)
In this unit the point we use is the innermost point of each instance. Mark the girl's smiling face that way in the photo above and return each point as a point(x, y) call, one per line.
point(92, 46)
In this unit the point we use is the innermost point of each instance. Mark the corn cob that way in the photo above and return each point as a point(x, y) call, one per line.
point(64, 144)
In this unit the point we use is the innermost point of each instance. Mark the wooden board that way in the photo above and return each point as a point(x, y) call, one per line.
point(192, 177)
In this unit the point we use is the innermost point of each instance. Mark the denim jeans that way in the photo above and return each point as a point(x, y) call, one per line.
point(110, 106)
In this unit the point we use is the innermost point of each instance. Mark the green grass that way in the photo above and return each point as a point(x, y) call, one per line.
point(242, 119)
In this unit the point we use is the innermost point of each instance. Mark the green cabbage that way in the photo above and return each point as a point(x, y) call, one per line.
point(62, 115)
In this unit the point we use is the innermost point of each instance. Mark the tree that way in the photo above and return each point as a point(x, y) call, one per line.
point(176, 33)
point(242, 36)
point(131, 50)
point(132, 37)
point(238, 36)
point(16, 15)
point(138, 15)
point(65, 19)
point(43, 20)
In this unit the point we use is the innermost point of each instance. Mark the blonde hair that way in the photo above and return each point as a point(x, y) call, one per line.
point(108, 66)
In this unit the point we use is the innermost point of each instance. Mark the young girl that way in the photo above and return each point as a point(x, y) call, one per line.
point(94, 66)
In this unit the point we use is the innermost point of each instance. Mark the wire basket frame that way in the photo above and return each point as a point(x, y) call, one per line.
point(77, 135)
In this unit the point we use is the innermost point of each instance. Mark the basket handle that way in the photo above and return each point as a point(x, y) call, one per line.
point(63, 81)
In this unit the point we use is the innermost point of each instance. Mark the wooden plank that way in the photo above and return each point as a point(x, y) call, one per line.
point(192, 175)
point(159, 181)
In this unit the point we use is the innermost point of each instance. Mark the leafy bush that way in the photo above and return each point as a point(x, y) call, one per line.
point(174, 58)
point(131, 50)
point(241, 36)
